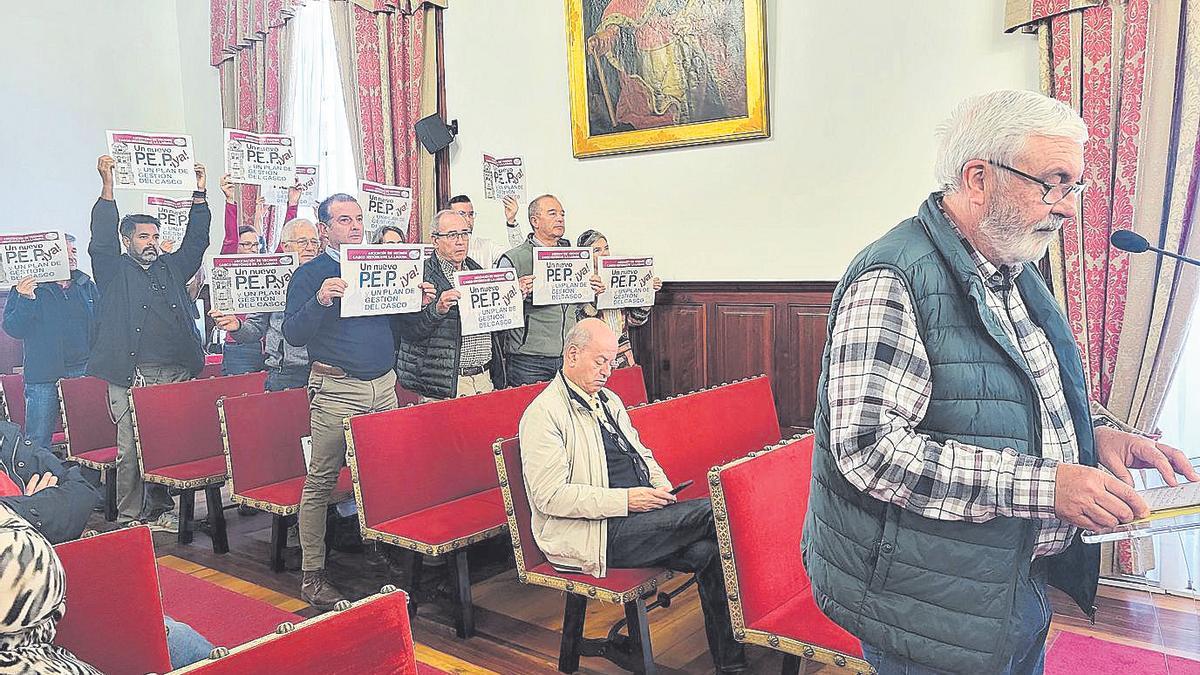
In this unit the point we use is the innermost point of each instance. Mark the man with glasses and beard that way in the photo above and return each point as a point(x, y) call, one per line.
point(956, 458)
point(147, 332)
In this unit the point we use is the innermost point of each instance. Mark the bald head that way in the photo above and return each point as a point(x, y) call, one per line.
point(588, 354)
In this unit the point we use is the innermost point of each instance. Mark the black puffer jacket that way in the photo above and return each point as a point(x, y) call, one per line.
point(427, 360)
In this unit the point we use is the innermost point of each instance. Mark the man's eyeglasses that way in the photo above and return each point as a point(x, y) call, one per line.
point(1052, 193)
point(304, 243)
point(453, 236)
point(466, 214)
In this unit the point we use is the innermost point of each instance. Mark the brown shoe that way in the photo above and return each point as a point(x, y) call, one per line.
point(317, 590)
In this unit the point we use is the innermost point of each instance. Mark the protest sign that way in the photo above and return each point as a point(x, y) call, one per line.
point(491, 301)
point(382, 279)
point(41, 255)
point(562, 275)
point(155, 161)
point(245, 284)
point(383, 205)
point(628, 281)
point(172, 216)
point(306, 176)
point(503, 177)
point(260, 159)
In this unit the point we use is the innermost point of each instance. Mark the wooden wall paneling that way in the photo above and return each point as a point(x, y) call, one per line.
point(741, 343)
point(678, 349)
point(801, 346)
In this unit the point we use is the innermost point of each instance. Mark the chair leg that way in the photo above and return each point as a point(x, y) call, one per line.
point(416, 564)
point(216, 519)
point(279, 530)
point(572, 633)
point(464, 611)
point(639, 636)
point(110, 494)
point(187, 514)
point(791, 665)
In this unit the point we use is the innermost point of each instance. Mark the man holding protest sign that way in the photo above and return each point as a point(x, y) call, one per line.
point(351, 361)
point(484, 250)
point(147, 332)
point(534, 353)
point(436, 359)
point(56, 321)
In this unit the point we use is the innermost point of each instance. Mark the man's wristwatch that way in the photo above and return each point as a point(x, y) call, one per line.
point(1106, 421)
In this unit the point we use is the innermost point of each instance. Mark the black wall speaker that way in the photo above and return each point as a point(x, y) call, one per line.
point(434, 134)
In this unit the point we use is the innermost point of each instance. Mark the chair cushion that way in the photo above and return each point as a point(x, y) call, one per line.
point(452, 520)
point(618, 580)
point(58, 438)
point(287, 492)
point(799, 618)
point(209, 467)
point(99, 456)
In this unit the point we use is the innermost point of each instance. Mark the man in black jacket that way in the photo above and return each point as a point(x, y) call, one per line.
point(147, 332)
point(435, 359)
point(52, 496)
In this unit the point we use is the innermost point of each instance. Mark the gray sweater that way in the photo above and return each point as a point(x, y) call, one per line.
point(279, 353)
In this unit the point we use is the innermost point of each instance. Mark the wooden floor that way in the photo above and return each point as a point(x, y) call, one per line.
point(518, 626)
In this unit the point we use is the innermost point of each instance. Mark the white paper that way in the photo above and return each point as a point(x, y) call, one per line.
point(246, 284)
point(172, 216)
point(154, 161)
point(260, 159)
point(306, 448)
point(628, 281)
point(491, 301)
point(41, 255)
point(503, 177)
point(562, 275)
point(384, 205)
point(306, 176)
point(1167, 497)
point(382, 279)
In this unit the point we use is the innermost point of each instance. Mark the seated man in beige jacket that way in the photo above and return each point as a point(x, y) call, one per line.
point(599, 499)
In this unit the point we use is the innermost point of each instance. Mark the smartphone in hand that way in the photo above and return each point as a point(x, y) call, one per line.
point(682, 486)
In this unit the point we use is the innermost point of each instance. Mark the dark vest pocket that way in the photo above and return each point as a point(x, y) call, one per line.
point(885, 548)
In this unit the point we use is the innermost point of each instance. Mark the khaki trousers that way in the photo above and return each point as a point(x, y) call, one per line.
point(135, 501)
point(469, 385)
point(331, 400)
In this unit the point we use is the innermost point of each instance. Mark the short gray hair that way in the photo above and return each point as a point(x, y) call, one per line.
point(535, 205)
point(579, 337)
point(437, 218)
point(324, 208)
point(996, 126)
point(289, 228)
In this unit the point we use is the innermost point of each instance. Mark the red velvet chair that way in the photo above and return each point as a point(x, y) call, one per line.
point(261, 434)
point(760, 502)
point(691, 433)
point(178, 437)
point(91, 435)
point(114, 618)
point(630, 385)
point(629, 587)
point(371, 636)
point(12, 395)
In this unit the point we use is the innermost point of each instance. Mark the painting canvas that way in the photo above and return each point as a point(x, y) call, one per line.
point(648, 74)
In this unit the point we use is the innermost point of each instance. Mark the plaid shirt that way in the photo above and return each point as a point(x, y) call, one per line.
point(879, 389)
point(475, 350)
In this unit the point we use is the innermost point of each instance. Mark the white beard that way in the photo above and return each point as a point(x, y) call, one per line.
point(1012, 241)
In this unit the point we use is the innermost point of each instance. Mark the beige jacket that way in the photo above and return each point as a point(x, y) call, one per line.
point(566, 477)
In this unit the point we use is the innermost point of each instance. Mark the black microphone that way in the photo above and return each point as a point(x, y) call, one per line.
point(1133, 242)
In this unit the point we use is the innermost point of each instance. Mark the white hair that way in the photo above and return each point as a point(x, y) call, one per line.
point(996, 126)
point(437, 219)
point(289, 228)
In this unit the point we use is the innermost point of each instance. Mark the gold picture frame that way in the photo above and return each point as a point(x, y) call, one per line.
point(631, 90)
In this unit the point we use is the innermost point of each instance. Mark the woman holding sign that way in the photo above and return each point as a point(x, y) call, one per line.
point(619, 320)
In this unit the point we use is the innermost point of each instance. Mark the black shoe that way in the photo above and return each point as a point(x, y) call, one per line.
point(244, 510)
point(317, 590)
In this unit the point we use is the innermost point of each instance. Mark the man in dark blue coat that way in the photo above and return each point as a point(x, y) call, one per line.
point(51, 495)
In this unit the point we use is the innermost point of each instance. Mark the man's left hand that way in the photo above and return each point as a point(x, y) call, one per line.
point(1120, 451)
point(428, 294)
point(37, 483)
point(201, 177)
point(598, 286)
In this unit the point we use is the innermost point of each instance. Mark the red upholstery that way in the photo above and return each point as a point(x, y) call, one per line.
point(371, 637)
point(451, 520)
point(692, 433)
point(411, 459)
point(177, 423)
point(13, 389)
point(262, 436)
point(85, 405)
point(58, 438)
point(100, 456)
point(114, 617)
point(210, 370)
point(213, 359)
point(766, 499)
point(287, 492)
point(630, 385)
point(618, 580)
point(405, 397)
point(209, 467)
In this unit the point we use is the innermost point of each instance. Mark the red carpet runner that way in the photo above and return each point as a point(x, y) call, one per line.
point(1072, 653)
point(223, 616)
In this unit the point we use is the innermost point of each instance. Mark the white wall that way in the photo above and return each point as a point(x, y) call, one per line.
point(73, 70)
point(856, 90)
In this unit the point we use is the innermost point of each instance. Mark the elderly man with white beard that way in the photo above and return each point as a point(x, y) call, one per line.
point(956, 457)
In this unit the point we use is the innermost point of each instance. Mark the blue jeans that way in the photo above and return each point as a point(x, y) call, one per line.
point(1031, 622)
point(238, 359)
point(291, 377)
point(185, 645)
point(41, 408)
point(522, 369)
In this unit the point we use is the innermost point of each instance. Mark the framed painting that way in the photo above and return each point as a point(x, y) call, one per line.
point(648, 74)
